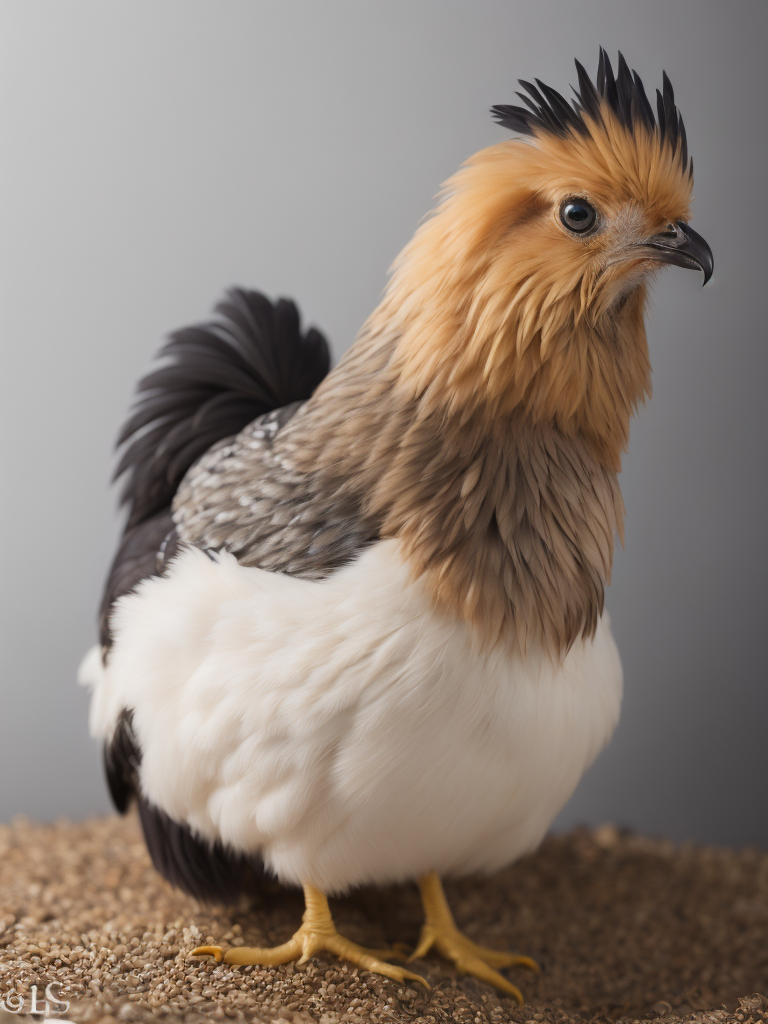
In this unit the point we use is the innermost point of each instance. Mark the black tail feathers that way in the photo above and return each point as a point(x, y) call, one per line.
point(207, 871)
point(210, 872)
point(219, 377)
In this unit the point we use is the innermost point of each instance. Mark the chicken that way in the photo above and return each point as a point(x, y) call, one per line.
point(354, 633)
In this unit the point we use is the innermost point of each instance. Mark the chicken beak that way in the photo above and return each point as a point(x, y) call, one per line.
point(683, 247)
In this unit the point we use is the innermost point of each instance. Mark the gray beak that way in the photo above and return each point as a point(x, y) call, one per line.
point(683, 247)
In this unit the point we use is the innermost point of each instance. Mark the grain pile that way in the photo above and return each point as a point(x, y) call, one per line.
point(625, 928)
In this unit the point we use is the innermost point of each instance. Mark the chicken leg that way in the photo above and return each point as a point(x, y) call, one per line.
point(439, 930)
point(317, 932)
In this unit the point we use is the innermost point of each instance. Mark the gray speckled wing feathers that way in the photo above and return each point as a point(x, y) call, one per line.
point(247, 496)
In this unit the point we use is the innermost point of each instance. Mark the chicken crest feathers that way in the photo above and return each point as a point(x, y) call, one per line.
point(546, 111)
point(218, 377)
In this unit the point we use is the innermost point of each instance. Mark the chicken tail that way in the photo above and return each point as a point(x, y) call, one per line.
point(218, 377)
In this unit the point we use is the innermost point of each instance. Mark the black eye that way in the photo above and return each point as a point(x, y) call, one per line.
point(578, 215)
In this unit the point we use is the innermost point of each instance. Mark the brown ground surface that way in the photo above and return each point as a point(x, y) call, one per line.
point(625, 927)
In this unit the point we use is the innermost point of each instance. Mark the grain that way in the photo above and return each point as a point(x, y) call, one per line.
point(626, 928)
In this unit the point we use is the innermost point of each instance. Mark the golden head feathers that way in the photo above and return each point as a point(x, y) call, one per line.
point(524, 292)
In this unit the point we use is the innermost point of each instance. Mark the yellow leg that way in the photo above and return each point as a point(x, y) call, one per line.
point(317, 932)
point(439, 930)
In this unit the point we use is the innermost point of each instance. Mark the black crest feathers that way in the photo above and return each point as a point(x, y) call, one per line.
point(546, 111)
point(219, 376)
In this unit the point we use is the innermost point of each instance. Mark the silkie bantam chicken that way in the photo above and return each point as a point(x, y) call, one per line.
point(354, 632)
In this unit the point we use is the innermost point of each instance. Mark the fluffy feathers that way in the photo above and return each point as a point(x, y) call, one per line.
point(342, 728)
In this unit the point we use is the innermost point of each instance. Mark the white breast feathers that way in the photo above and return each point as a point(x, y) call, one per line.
point(343, 728)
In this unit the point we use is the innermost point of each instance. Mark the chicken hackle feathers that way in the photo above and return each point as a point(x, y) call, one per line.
point(354, 632)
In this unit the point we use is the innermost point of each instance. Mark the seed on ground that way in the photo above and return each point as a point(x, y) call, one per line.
point(625, 927)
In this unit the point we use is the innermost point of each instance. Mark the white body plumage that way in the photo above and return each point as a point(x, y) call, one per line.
point(343, 728)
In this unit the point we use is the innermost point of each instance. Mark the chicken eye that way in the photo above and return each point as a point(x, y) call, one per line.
point(578, 215)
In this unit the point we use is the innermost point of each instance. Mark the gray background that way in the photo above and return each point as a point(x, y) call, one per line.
point(154, 153)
